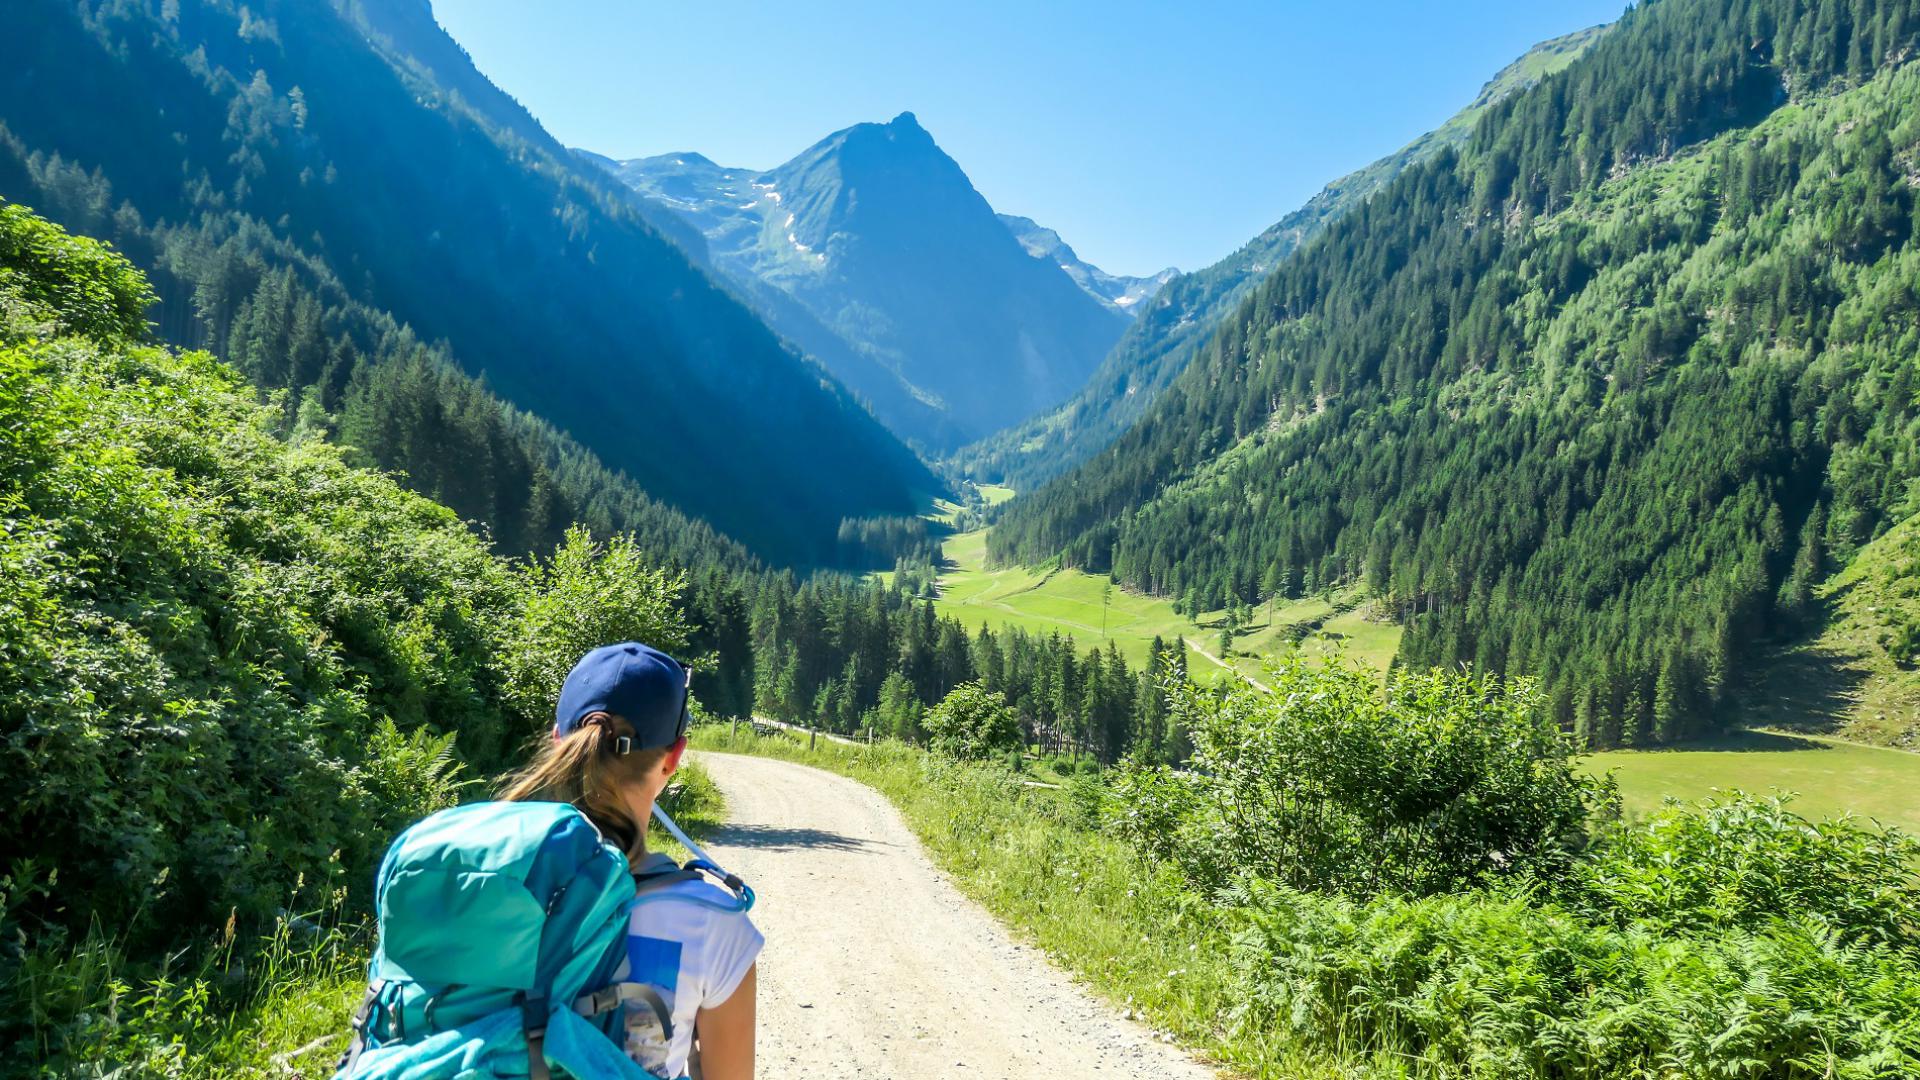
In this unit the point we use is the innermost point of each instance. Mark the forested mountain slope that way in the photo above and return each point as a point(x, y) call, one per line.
point(1182, 314)
point(1600, 397)
point(292, 141)
point(880, 237)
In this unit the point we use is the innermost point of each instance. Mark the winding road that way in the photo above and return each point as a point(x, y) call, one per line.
point(876, 967)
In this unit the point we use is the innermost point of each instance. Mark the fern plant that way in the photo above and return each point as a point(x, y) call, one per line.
point(413, 773)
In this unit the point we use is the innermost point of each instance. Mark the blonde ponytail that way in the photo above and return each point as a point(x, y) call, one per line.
point(585, 769)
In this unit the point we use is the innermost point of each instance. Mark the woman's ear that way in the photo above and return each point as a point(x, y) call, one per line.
point(671, 763)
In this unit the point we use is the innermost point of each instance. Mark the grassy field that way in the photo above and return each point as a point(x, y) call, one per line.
point(1081, 606)
point(995, 494)
point(1831, 777)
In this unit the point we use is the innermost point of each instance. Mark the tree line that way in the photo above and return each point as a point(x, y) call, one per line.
point(854, 659)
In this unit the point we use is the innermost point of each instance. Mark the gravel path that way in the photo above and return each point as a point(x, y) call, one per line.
point(876, 967)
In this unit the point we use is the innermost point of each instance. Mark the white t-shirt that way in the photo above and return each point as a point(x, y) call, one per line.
point(685, 943)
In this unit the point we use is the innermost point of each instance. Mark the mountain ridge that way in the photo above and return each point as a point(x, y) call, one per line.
point(1119, 291)
point(947, 325)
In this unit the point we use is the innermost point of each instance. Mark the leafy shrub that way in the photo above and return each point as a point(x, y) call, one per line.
point(587, 595)
point(972, 723)
point(229, 663)
point(1157, 809)
point(1441, 780)
point(1746, 861)
point(1088, 798)
point(55, 283)
point(413, 773)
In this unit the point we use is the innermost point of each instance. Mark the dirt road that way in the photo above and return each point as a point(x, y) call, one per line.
point(876, 967)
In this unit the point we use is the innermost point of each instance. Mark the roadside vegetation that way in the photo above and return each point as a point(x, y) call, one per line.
point(232, 667)
point(1420, 880)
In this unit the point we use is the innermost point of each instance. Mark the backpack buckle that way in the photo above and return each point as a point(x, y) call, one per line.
point(533, 1014)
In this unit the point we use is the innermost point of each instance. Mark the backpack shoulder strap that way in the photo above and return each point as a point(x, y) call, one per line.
point(533, 1023)
point(646, 883)
point(362, 1016)
point(658, 871)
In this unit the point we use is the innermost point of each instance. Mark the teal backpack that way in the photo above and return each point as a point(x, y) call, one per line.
point(501, 928)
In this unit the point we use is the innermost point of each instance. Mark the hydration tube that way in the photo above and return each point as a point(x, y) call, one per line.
point(702, 861)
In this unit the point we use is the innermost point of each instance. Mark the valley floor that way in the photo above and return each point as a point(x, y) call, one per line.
point(1827, 776)
point(1083, 607)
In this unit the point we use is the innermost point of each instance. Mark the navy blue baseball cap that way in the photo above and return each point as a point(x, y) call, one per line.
point(638, 683)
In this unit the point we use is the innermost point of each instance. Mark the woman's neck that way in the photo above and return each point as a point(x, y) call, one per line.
point(641, 807)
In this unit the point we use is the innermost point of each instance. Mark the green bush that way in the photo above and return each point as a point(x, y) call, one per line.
point(53, 283)
point(1160, 810)
point(1329, 783)
point(587, 595)
point(412, 774)
point(972, 723)
point(1416, 887)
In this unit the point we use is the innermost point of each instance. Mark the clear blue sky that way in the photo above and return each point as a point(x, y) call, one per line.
point(1148, 133)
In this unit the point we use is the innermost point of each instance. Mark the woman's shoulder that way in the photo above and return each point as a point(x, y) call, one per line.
point(705, 927)
point(692, 902)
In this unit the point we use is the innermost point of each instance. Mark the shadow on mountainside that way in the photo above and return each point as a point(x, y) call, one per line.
point(1741, 742)
point(1807, 685)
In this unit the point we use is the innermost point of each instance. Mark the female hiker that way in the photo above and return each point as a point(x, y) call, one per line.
point(619, 732)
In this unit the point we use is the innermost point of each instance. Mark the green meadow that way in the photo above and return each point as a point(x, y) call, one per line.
point(1827, 776)
point(1830, 777)
point(1086, 608)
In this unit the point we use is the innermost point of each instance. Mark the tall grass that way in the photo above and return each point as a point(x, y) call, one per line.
point(223, 1008)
